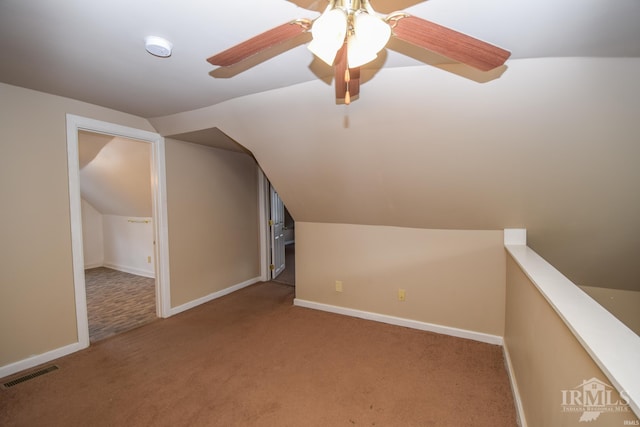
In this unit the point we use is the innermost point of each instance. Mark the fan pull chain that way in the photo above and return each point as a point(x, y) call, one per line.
point(347, 79)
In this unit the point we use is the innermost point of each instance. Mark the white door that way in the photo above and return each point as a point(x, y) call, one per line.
point(277, 234)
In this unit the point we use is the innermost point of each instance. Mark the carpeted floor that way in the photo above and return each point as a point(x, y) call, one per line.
point(117, 301)
point(251, 358)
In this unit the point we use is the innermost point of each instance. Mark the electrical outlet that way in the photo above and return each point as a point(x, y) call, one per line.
point(401, 295)
point(149, 259)
point(338, 285)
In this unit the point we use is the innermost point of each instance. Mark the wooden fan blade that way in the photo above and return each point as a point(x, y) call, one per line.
point(315, 5)
point(450, 43)
point(340, 67)
point(354, 84)
point(346, 81)
point(254, 45)
point(262, 56)
point(381, 6)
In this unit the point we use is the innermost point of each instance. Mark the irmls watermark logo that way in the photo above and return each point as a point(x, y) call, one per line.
point(592, 398)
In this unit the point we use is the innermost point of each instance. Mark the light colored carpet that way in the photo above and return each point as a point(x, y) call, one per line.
point(251, 358)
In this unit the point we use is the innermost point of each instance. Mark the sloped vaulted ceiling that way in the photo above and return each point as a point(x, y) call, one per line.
point(115, 174)
point(550, 143)
point(551, 146)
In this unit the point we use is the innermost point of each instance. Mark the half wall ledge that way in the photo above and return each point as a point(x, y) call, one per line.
point(610, 343)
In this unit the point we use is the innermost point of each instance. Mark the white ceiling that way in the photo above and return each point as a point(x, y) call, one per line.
point(94, 50)
point(550, 144)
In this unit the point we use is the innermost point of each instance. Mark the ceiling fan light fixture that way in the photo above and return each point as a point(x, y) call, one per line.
point(370, 35)
point(329, 32)
point(371, 29)
point(350, 33)
point(358, 53)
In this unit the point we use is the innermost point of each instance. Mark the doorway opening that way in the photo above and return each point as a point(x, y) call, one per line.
point(277, 235)
point(117, 233)
point(283, 249)
point(288, 276)
point(130, 229)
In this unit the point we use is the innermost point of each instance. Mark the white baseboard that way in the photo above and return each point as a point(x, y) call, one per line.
point(93, 265)
point(522, 421)
point(212, 296)
point(38, 359)
point(399, 321)
point(131, 270)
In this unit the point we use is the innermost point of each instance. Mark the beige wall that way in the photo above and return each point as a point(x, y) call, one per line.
point(213, 219)
point(546, 358)
point(452, 278)
point(550, 146)
point(212, 197)
point(625, 305)
point(37, 306)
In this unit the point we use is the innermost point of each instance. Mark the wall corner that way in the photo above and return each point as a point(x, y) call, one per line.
point(515, 236)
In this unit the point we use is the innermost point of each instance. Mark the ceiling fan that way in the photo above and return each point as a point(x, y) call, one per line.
point(350, 33)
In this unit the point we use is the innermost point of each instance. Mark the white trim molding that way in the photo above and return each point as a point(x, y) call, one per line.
point(38, 359)
point(610, 343)
point(517, 400)
point(130, 270)
point(94, 265)
point(158, 191)
point(212, 296)
point(515, 236)
point(263, 218)
point(399, 321)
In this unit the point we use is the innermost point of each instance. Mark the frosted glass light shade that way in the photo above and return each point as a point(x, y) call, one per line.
point(358, 53)
point(371, 35)
point(328, 32)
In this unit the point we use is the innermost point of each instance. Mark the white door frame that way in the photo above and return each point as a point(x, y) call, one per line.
point(276, 225)
point(159, 202)
point(263, 215)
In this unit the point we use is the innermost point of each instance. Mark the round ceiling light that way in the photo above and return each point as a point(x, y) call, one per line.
point(158, 46)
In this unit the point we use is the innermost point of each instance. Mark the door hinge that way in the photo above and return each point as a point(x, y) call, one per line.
point(270, 223)
point(272, 267)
